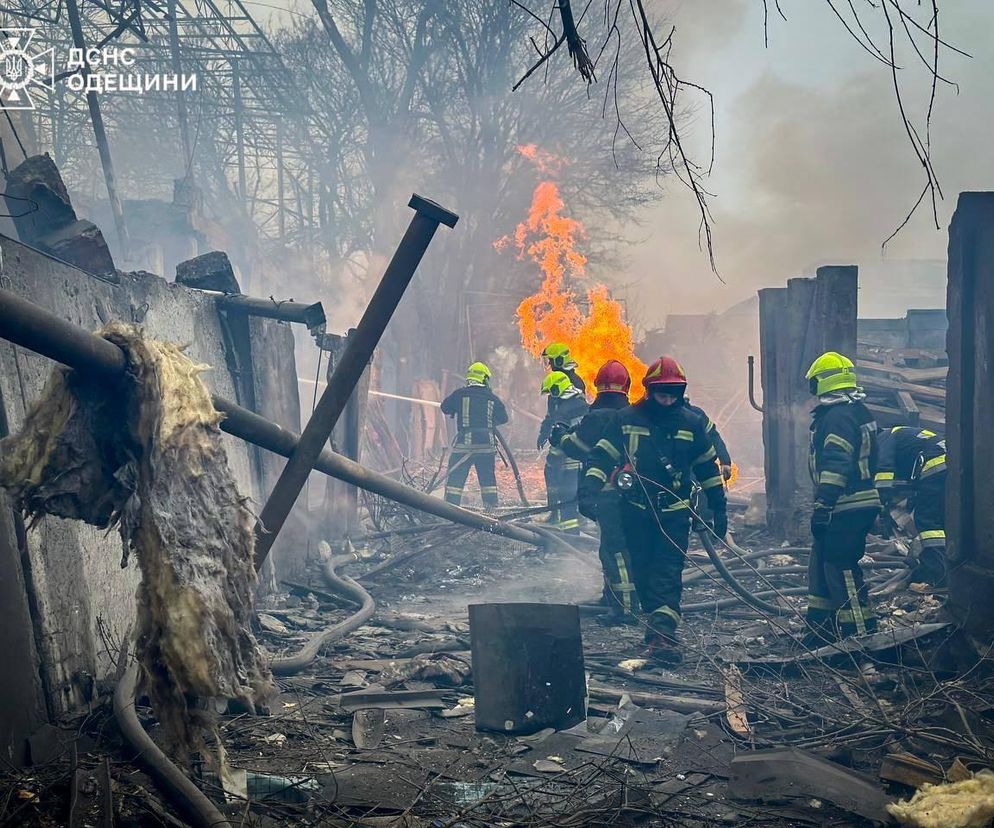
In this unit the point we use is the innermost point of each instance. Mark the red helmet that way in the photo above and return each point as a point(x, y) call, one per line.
point(613, 376)
point(664, 371)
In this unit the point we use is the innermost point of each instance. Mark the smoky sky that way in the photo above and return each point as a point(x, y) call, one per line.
point(812, 162)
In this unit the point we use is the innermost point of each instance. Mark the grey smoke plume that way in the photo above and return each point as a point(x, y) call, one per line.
point(813, 164)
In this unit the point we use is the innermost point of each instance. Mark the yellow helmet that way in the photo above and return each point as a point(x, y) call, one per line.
point(556, 384)
point(832, 371)
point(558, 355)
point(478, 374)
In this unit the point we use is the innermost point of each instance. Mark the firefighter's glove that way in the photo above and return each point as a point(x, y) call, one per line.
point(540, 442)
point(588, 506)
point(720, 522)
point(821, 517)
point(726, 472)
point(559, 430)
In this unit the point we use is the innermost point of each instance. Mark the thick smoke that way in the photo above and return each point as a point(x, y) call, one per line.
point(813, 164)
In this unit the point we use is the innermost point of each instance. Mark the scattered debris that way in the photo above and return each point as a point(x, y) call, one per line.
point(909, 770)
point(378, 697)
point(736, 713)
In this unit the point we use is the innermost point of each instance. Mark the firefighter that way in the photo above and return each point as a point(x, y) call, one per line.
point(562, 474)
point(724, 458)
point(911, 462)
point(612, 383)
point(477, 412)
point(651, 451)
point(843, 462)
point(557, 358)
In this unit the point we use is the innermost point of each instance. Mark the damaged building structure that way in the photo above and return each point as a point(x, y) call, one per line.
point(69, 605)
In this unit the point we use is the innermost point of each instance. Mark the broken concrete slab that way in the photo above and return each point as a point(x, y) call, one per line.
point(210, 271)
point(37, 198)
point(81, 243)
point(790, 773)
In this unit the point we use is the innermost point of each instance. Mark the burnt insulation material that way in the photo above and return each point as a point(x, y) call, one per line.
point(146, 455)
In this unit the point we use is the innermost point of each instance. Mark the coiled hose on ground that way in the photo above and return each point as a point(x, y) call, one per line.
point(732, 581)
point(180, 790)
point(187, 797)
point(343, 585)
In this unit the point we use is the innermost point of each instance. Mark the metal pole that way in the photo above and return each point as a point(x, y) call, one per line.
point(752, 384)
point(30, 326)
point(358, 351)
point(280, 205)
point(177, 66)
point(76, 24)
point(236, 91)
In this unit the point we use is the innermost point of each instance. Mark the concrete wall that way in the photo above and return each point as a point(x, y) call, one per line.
point(82, 604)
point(970, 416)
point(797, 324)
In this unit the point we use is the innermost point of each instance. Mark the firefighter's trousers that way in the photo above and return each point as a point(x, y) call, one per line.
point(562, 478)
point(657, 545)
point(460, 463)
point(838, 600)
point(619, 587)
point(930, 522)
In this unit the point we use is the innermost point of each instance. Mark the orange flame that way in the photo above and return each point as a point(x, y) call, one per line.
point(552, 314)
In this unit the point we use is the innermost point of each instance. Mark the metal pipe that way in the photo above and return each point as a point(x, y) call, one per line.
point(358, 351)
point(312, 316)
point(752, 384)
point(99, 133)
point(30, 326)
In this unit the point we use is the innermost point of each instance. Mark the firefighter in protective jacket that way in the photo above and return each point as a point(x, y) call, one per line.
point(651, 451)
point(477, 412)
point(911, 462)
point(567, 406)
point(612, 383)
point(843, 462)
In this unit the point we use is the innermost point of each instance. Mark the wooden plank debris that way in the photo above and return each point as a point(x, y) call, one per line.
point(387, 700)
point(736, 712)
point(790, 773)
point(682, 704)
point(888, 639)
point(909, 770)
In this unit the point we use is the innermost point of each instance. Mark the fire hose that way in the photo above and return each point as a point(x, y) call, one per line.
point(342, 585)
point(188, 798)
point(514, 467)
point(732, 581)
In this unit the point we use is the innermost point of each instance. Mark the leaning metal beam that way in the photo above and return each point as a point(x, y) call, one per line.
point(358, 352)
point(30, 326)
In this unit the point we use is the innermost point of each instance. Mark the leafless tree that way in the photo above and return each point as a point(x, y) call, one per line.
point(414, 99)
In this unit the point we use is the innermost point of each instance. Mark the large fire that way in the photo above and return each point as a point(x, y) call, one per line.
point(552, 314)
